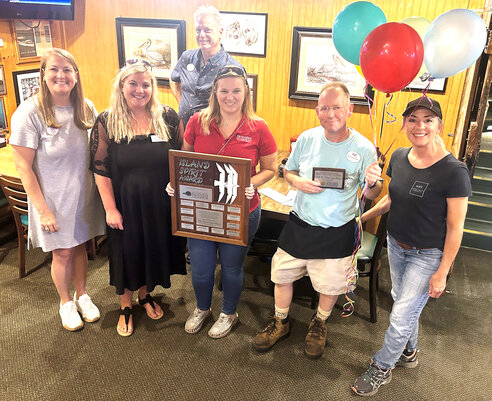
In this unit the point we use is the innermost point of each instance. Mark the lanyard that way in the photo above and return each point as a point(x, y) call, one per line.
point(230, 137)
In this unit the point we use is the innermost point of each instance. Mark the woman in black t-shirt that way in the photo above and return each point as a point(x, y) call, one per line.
point(427, 201)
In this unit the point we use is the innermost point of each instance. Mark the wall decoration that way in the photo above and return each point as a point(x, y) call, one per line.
point(26, 84)
point(436, 86)
point(244, 33)
point(315, 62)
point(32, 39)
point(3, 85)
point(158, 41)
point(3, 115)
point(253, 88)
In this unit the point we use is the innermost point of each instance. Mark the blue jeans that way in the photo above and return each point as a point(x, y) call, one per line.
point(411, 271)
point(203, 258)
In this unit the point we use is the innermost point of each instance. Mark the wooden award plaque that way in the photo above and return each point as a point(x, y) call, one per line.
point(209, 201)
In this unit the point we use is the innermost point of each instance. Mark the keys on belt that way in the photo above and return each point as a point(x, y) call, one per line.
point(407, 247)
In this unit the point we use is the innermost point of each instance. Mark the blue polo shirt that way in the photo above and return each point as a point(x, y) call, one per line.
point(196, 80)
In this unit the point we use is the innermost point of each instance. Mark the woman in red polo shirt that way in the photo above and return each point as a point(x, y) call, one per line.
point(228, 127)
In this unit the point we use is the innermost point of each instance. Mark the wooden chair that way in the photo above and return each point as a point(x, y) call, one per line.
point(369, 254)
point(17, 199)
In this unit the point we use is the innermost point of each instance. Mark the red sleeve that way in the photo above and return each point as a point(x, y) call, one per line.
point(192, 128)
point(267, 144)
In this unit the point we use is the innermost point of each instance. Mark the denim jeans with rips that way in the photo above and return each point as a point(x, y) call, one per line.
point(203, 258)
point(411, 271)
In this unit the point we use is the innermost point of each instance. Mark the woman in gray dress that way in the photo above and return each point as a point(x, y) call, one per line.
point(51, 151)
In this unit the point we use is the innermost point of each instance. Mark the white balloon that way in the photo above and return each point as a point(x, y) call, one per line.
point(453, 42)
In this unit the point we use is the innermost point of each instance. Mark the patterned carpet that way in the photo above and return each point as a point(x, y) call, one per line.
point(42, 361)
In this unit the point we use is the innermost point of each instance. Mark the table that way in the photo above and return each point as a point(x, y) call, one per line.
point(270, 208)
point(7, 165)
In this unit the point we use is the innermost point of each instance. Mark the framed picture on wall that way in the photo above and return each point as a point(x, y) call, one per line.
point(3, 85)
point(32, 38)
point(315, 62)
point(244, 33)
point(3, 114)
point(436, 85)
point(253, 88)
point(26, 84)
point(158, 41)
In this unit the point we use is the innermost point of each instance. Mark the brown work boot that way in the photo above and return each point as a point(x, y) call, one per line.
point(315, 339)
point(275, 331)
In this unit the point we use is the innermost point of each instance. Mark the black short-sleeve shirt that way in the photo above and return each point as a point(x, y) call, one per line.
point(418, 198)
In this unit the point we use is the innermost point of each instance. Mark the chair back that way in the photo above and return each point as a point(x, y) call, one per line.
point(17, 199)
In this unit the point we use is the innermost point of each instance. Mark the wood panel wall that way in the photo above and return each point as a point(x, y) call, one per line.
point(91, 38)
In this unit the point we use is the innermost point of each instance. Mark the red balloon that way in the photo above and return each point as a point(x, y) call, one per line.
point(391, 56)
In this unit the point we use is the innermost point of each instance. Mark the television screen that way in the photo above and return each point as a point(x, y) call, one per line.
point(37, 9)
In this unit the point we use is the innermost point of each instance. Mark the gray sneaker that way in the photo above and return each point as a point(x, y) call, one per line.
point(408, 361)
point(223, 325)
point(369, 382)
point(195, 321)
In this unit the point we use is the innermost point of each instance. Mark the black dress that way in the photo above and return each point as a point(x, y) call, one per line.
point(144, 252)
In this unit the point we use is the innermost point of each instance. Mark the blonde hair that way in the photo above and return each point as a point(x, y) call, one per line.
point(120, 116)
point(212, 112)
point(83, 115)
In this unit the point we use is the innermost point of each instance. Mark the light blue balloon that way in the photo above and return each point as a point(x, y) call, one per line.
point(453, 42)
point(352, 25)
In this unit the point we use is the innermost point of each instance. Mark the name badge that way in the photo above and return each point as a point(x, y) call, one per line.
point(155, 138)
point(333, 178)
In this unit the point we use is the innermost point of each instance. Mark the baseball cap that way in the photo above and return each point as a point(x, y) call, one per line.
point(426, 103)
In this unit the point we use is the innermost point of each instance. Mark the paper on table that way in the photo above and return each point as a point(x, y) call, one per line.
point(287, 200)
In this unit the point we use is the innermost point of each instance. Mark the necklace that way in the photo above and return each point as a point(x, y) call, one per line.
point(139, 130)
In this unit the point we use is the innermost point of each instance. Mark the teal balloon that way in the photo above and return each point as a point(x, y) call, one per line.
point(351, 27)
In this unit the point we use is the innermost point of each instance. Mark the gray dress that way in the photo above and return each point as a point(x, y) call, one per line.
point(61, 165)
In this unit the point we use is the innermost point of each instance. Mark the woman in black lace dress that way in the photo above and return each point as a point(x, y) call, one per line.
point(129, 156)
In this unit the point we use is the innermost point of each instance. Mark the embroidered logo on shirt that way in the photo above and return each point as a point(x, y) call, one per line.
point(353, 156)
point(243, 138)
point(418, 188)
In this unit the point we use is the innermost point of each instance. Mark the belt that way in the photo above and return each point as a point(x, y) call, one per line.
point(407, 247)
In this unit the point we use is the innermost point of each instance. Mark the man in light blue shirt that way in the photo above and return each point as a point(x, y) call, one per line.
point(327, 166)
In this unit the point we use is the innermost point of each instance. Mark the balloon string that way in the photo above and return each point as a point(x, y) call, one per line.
point(424, 94)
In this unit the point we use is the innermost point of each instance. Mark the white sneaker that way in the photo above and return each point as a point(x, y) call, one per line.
point(70, 317)
point(195, 321)
point(85, 306)
point(223, 325)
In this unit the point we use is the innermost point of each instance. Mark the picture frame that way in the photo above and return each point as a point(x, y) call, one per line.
point(3, 84)
point(32, 38)
point(253, 88)
point(315, 62)
point(244, 33)
point(209, 201)
point(3, 115)
point(436, 86)
point(26, 84)
point(158, 41)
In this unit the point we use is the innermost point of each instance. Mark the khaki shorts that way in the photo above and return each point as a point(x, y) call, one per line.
point(328, 276)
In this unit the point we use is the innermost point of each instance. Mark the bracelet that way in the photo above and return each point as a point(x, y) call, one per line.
point(373, 185)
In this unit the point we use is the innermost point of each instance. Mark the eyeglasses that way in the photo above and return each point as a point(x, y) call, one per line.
point(138, 60)
point(228, 70)
point(335, 109)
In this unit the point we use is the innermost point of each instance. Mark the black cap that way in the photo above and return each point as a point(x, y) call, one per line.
point(426, 103)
